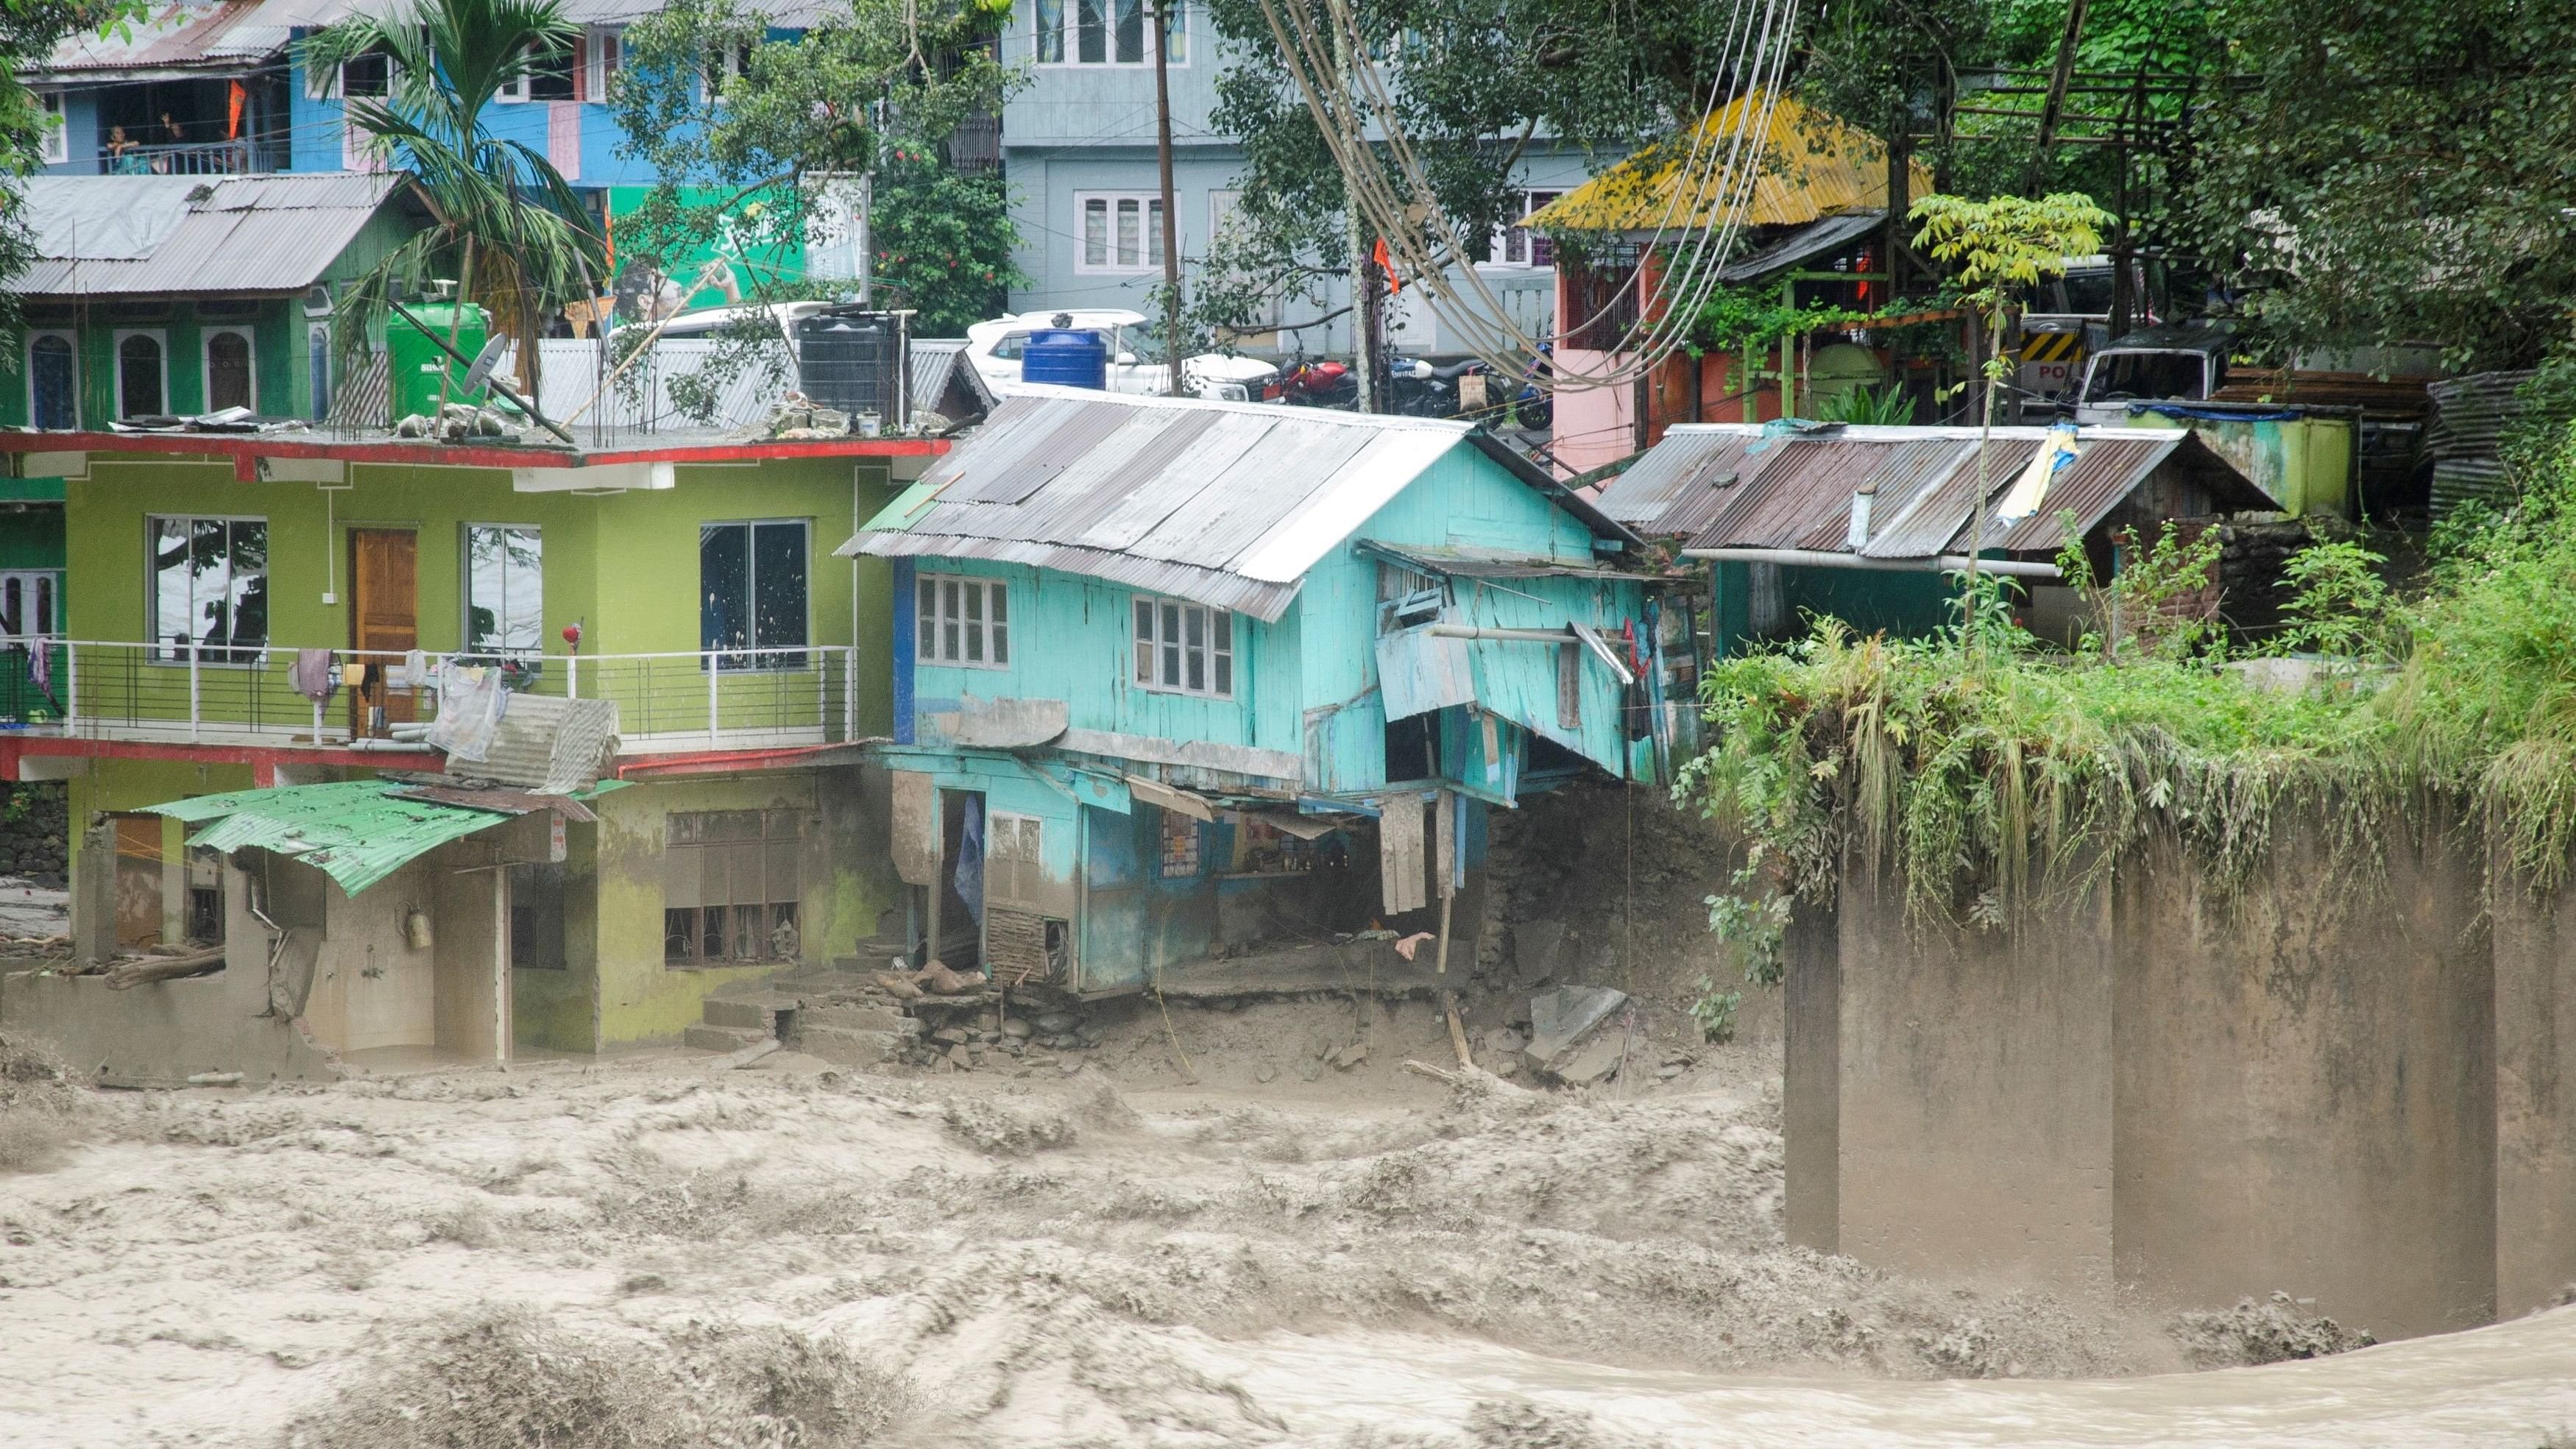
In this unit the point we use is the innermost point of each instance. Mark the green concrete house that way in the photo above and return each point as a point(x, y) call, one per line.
point(689, 579)
point(156, 295)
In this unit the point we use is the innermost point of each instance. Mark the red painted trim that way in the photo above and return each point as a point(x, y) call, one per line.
point(262, 759)
point(245, 448)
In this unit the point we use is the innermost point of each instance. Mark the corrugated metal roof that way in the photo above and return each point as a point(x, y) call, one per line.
point(1796, 491)
point(1810, 165)
point(161, 236)
point(1808, 242)
point(1228, 504)
point(195, 38)
point(356, 831)
point(937, 363)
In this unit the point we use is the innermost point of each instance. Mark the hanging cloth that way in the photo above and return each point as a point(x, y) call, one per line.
point(310, 675)
point(970, 859)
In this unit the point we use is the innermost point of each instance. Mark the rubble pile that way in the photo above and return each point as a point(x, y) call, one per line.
point(457, 423)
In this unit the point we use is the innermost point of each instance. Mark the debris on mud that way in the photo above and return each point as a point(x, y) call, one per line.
point(2273, 1331)
point(40, 1110)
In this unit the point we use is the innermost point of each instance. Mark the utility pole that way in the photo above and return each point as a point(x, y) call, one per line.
point(1363, 290)
point(1171, 221)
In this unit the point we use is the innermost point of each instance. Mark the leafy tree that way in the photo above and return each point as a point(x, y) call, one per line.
point(1997, 250)
point(2394, 169)
point(875, 88)
point(504, 224)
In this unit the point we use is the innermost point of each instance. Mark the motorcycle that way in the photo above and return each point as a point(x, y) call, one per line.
point(1421, 390)
point(1324, 384)
point(1534, 406)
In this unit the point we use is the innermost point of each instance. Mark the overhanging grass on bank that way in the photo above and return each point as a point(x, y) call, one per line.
point(1993, 772)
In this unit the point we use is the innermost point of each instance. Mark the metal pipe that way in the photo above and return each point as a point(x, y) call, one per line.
point(1827, 559)
point(1526, 636)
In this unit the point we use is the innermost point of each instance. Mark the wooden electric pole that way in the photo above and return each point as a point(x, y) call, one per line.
point(1171, 220)
point(1363, 290)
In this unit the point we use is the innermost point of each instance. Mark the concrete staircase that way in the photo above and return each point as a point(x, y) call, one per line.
point(838, 1014)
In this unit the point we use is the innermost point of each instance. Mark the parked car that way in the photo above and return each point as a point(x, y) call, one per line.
point(2175, 362)
point(995, 347)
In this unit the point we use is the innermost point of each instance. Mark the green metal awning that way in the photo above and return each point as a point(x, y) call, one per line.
point(356, 831)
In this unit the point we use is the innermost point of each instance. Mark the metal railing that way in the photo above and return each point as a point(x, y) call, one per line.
point(190, 158)
point(227, 694)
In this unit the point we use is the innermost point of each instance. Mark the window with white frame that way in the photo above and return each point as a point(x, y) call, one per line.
point(1518, 246)
point(1117, 231)
point(606, 51)
point(959, 620)
point(505, 595)
point(142, 374)
point(31, 602)
point(753, 610)
point(56, 143)
point(317, 366)
point(229, 370)
point(547, 78)
point(367, 76)
point(1109, 32)
point(1184, 648)
point(209, 588)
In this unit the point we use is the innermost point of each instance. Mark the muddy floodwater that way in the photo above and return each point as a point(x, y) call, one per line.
point(1213, 1228)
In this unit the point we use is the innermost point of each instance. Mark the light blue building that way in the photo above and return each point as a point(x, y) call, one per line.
point(1078, 144)
point(1179, 679)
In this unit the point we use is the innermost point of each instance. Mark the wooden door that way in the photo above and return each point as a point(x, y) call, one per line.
point(384, 617)
point(139, 899)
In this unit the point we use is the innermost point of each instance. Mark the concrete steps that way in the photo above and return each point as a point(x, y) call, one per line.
point(832, 1014)
point(708, 1037)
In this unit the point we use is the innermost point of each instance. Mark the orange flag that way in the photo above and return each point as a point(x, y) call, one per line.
point(237, 96)
point(1393, 284)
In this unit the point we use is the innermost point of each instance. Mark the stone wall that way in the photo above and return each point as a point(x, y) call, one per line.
point(32, 839)
point(2348, 1091)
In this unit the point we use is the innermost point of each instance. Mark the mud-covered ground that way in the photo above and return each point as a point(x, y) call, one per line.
point(654, 1251)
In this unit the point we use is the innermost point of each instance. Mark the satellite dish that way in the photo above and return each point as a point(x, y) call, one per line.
point(484, 361)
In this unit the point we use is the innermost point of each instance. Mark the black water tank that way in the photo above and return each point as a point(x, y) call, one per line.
point(853, 360)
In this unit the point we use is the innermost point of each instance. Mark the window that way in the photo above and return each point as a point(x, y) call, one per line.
point(537, 918)
point(56, 142)
point(1600, 302)
point(228, 371)
point(141, 372)
point(1515, 246)
point(729, 60)
point(317, 361)
point(1118, 232)
point(1108, 32)
point(504, 591)
point(962, 621)
point(1184, 648)
point(730, 886)
point(367, 76)
point(209, 589)
point(27, 602)
point(548, 78)
point(1179, 855)
point(53, 381)
point(751, 581)
point(606, 51)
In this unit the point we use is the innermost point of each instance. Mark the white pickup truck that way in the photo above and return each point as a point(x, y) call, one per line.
point(995, 347)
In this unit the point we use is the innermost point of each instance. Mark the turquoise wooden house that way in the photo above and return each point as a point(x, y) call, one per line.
point(1179, 680)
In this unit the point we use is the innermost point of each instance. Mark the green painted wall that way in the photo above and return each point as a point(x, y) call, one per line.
point(280, 381)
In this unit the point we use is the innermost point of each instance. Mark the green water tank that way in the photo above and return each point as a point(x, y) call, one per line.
point(419, 368)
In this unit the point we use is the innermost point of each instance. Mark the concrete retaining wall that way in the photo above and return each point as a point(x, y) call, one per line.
point(2356, 1099)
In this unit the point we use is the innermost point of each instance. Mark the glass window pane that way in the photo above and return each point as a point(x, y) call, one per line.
point(53, 382)
point(1091, 25)
point(677, 937)
point(724, 585)
point(1222, 673)
point(172, 576)
point(523, 598)
point(1176, 32)
point(1144, 642)
point(948, 649)
point(227, 371)
point(1131, 32)
point(1130, 244)
point(1171, 646)
point(925, 618)
point(1154, 231)
point(711, 925)
point(778, 580)
point(1001, 643)
point(1194, 627)
point(138, 361)
point(1095, 232)
point(974, 623)
point(1050, 31)
point(245, 605)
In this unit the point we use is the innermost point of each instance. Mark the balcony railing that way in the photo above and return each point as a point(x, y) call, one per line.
point(206, 694)
point(194, 158)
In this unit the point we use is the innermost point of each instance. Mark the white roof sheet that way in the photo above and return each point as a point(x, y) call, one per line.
point(154, 236)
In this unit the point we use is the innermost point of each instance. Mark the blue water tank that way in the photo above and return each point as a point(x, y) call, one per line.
point(1066, 357)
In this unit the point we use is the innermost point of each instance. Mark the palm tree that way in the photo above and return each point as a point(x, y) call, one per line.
point(504, 224)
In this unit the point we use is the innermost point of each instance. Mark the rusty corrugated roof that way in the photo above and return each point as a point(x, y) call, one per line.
point(1795, 492)
point(165, 236)
point(1810, 165)
point(195, 39)
point(1227, 504)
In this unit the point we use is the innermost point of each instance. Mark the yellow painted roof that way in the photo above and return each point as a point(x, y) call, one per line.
point(1811, 165)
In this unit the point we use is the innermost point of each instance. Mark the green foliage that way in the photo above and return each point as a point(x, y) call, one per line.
point(1997, 777)
point(1869, 406)
point(2161, 595)
point(508, 229)
point(1714, 1012)
point(2005, 244)
point(942, 242)
point(2338, 603)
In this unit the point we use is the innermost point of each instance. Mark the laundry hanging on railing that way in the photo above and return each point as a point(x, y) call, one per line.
point(311, 675)
point(470, 701)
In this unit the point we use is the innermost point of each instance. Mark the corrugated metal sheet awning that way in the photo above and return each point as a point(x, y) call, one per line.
point(356, 831)
point(1817, 239)
point(1471, 563)
point(1227, 504)
point(160, 236)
